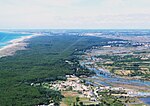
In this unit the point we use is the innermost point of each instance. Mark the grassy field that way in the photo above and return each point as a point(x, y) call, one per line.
point(128, 65)
point(69, 97)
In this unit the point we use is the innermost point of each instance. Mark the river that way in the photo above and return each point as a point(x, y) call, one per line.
point(106, 79)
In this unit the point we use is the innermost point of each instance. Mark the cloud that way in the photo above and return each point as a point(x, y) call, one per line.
point(74, 13)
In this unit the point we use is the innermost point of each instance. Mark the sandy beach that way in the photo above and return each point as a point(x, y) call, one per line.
point(15, 45)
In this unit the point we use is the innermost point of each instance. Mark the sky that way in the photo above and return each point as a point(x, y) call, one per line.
point(75, 14)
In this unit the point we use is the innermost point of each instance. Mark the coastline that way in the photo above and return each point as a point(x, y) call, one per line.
point(15, 45)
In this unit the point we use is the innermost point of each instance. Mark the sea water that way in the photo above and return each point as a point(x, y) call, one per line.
point(6, 37)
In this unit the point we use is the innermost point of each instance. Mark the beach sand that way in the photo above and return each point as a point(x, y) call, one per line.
point(15, 45)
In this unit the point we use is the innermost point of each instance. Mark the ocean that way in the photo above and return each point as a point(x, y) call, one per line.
point(5, 37)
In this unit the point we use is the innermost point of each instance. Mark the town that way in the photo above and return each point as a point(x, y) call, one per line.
point(89, 94)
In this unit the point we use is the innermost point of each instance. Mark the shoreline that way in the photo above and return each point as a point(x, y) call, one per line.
point(16, 44)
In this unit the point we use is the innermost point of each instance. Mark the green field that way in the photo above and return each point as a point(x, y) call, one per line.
point(128, 65)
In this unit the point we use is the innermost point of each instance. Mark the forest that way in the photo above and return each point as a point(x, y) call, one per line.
point(44, 60)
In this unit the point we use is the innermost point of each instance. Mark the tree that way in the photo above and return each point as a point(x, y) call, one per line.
point(81, 103)
point(77, 99)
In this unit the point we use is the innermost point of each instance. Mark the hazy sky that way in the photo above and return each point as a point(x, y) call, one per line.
point(75, 14)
